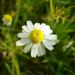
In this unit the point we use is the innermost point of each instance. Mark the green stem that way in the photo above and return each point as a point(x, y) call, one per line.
point(18, 6)
point(15, 66)
point(51, 7)
point(12, 64)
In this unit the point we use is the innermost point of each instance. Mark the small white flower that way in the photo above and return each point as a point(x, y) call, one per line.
point(36, 37)
point(7, 19)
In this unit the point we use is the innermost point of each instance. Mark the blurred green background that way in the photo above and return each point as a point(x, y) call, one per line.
point(60, 15)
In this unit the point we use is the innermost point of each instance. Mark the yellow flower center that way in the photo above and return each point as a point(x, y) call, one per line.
point(36, 36)
point(7, 18)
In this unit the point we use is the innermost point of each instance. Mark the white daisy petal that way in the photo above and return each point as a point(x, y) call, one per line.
point(34, 50)
point(48, 45)
point(2, 19)
point(30, 25)
point(37, 26)
point(25, 28)
point(46, 29)
point(51, 37)
point(52, 42)
point(27, 47)
point(9, 23)
point(23, 35)
point(22, 42)
point(41, 50)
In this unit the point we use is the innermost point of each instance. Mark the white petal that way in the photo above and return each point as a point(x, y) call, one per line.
point(41, 50)
point(27, 47)
point(25, 28)
point(22, 42)
point(43, 25)
point(23, 35)
point(34, 50)
point(52, 42)
point(48, 45)
point(30, 25)
point(51, 37)
point(2, 19)
point(37, 25)
point(9, 23)
point(46, 29)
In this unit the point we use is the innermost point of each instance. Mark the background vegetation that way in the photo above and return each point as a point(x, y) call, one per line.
point(60, 15)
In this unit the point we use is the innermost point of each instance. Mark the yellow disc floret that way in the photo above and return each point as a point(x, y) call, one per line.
point(36, 36)
point(7, 18)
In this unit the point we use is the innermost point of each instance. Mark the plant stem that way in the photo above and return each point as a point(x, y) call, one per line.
point(18, 6)
point(51, 8)
point(13, 64)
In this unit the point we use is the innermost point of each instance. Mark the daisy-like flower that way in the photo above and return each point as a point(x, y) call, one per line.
point(36, 37)
point(7, 19)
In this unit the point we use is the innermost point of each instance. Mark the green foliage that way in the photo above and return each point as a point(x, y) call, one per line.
point(60, 15)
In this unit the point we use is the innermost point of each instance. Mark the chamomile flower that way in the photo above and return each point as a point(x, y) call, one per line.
point(7, 19)
point(36, 37)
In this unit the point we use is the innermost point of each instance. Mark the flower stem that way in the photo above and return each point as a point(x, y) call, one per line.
point(18, 6)
point(51, 8)
point(15, 66)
